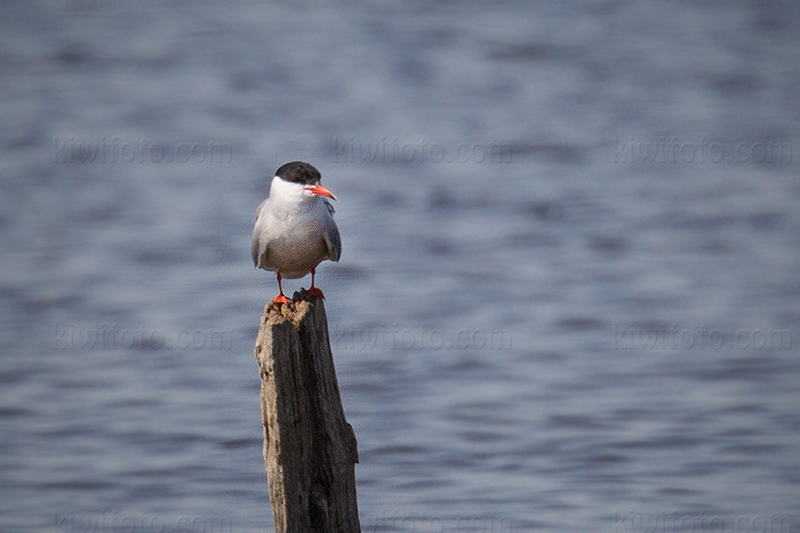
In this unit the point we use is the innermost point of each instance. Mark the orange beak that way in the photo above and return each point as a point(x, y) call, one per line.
point(322, 191)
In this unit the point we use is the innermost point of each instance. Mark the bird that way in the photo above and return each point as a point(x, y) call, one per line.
point(294, 229)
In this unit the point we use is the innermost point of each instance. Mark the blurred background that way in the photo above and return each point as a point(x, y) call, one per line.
point(569, 293)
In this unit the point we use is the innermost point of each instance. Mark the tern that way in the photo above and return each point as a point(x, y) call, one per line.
point(294, 230)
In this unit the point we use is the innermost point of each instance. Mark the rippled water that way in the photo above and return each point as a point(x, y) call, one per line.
point(574, 307)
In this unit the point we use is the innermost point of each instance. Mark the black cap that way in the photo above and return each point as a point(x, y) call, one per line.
point(299, 172)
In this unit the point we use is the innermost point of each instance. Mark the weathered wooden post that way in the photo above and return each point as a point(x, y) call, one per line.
point(309, 448)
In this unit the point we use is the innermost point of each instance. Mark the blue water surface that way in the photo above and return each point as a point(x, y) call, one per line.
point(569, 294)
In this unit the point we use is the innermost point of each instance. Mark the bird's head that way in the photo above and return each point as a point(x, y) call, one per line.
point(304, 175)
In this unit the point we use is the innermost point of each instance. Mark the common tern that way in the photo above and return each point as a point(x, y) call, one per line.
point(294, 230)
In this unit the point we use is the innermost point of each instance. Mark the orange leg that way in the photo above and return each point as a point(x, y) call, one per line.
point(313, 291)
point(280, 299)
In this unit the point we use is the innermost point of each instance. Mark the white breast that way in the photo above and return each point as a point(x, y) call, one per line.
point(291, 229)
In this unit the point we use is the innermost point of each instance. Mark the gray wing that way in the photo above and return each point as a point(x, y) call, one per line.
point(332, 239)
point(255, 247)
point(260, 207)
point(255, 250)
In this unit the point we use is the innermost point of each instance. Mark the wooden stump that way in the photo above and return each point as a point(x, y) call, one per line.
point(310, 450)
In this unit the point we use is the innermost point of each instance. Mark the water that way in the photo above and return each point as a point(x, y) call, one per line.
point(580, 338)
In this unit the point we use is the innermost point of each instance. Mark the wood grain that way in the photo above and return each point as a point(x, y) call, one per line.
point(310, 450)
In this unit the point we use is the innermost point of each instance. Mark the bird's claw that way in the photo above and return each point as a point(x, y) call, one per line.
point(281, 299)
point(313, 291)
